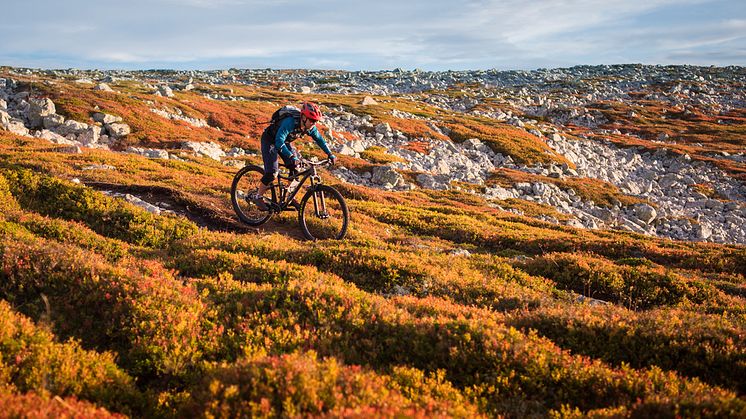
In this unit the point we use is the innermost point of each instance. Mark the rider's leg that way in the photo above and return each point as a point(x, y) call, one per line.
point(293, 171)
point(269, 157)
point(288, 161)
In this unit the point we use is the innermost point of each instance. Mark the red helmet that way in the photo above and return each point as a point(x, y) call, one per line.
point(311, 111)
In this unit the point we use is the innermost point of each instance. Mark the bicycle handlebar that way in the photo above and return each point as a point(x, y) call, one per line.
point(306, 162)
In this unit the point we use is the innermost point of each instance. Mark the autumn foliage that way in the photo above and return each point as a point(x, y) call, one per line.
point(107, 310)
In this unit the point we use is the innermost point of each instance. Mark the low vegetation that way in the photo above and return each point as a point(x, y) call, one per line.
point(437, 304)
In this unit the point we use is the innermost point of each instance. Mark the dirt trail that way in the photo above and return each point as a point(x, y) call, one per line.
point(215, 218)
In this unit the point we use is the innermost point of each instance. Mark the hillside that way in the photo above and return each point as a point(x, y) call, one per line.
point(566, 242)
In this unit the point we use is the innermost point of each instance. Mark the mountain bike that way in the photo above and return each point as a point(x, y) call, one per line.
point(322, 212)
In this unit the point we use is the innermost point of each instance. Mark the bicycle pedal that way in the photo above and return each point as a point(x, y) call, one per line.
point(260, 204)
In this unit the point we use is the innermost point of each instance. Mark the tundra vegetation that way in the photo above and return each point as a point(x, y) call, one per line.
point(436, 304)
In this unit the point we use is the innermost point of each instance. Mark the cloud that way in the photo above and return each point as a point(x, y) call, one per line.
point(437, 34)
point(218, 4)
point(119, 57)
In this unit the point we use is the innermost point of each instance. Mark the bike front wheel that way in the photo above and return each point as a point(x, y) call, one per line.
point(246, 182)
point(323, 214)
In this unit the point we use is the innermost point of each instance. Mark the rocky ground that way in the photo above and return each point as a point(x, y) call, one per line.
point(694, 195)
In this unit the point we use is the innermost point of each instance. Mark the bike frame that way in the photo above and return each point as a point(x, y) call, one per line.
point(281, 197)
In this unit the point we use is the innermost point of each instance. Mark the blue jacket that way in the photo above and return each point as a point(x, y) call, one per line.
point(286, 133)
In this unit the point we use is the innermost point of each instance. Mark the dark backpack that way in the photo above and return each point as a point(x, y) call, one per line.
point(280, 114)
point(284, 112)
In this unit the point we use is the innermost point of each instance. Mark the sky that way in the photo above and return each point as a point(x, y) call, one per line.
point(370, 35)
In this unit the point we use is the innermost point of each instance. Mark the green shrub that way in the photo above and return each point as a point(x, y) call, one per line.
point(379, 155)
point(635, 287)
point(634, 262)
point(476, 281)
point(709, 347)
point(157, 325)
point(73, 233)
point(107, 216)
point(33, 361)
point(7, 201)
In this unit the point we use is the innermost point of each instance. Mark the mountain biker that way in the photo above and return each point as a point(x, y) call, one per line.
point(277, 139)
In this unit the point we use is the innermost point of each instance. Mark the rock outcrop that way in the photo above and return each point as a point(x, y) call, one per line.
point(668, 186)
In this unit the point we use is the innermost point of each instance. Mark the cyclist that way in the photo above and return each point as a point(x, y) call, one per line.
point(277, 139)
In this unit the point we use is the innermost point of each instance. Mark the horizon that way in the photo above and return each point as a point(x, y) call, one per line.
point(378, 70)
point(333, 35)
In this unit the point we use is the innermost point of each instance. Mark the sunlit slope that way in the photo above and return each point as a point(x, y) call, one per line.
point(435, 305)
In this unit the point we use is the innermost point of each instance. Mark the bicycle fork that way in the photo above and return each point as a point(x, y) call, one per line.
point(319, 205)
point(319, 201)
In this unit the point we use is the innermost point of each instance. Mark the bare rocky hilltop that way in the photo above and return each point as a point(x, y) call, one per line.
point(669, 142)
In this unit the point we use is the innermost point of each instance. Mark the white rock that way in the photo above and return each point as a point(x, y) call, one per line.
point(210, 149)
point(140, 203)
point(90, 135)
point(53, 121)
point(71, 128)
point(383, 128)
point(53, 137)
point(38, 110)
point(498, 192)
point(367, 100)
point(428, 181)
point(236, 152)
point(152, 153)
point(473, 144)
point(357, 146)
point(117, 130)
point(645, 213)
point(460, 252)
point(346, 150)
point(99, 167)
point(4, 119)
point(105, 118)
point(702, 232)
point(70, 149)
point(166, 91)
point(103, 87)
point(12, 125)
point(383, 175)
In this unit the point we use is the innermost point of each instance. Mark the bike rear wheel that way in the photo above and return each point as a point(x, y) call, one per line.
point(245, 183)
point(323, 214)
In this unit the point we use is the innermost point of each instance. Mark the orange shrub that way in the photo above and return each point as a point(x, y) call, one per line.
point(31, 405)
point(31, 360)
point(300, 384)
